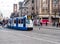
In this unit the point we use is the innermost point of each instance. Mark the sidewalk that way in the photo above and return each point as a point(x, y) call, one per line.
point(49, 27)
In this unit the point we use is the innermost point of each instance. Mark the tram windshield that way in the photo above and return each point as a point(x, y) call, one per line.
point(28, 21)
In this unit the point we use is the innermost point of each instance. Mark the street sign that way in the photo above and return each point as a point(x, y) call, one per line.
point(29, 17)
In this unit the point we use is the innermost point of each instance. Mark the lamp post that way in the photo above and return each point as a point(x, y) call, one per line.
point(50, 10)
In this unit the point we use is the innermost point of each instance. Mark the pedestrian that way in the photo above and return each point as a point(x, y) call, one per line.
point(46, 23)
point(40, 25)
point(53, 23)
point(57, 24)
point(3, 23)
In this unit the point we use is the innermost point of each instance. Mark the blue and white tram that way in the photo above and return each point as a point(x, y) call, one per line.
point(20, 23)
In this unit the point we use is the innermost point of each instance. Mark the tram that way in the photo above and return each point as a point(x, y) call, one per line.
point(20, 23)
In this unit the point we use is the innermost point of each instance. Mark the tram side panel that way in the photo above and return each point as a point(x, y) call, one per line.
point(20, 23)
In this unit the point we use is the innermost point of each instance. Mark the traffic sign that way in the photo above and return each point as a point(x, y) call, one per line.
point(29, 17)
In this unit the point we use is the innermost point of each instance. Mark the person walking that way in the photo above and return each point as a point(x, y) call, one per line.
point(3, 23)
point(46, 23)
point(57, 24)
point(40, 25)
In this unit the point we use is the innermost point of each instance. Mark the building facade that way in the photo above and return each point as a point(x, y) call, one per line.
point(31, 7)
point(14, 7)
point(49, 9)
point(20, 8)
point(37, 7)
point(15, 11)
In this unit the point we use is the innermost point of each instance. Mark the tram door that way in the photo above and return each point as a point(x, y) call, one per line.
point(21, 22)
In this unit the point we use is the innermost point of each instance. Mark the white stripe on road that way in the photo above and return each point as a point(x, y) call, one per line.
point(33, 37)
point(40, 39)
point(44, 34)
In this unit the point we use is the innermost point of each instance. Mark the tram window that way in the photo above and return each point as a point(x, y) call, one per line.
point(27, 21)
point(20, 21)
point(14, 21)
point(9, 21)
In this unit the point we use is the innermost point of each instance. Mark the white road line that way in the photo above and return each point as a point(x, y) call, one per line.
point(40, 39)
point(43, 34)
point(5, 31)
point(46, 35)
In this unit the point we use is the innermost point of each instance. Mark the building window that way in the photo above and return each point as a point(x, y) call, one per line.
point(32, 1)
point(32, 8)
point(27, 12)
point(55, 6)
point(55, 3)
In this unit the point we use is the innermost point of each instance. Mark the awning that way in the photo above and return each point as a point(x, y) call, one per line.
point(45, 15)
point(57, 16)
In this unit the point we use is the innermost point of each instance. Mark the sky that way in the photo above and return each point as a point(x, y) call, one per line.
point(6, 7)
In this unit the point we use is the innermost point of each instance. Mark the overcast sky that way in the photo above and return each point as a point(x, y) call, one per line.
point(6, 6)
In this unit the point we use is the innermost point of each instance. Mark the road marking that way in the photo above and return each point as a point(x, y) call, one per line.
point(43, 34)
point(46, 35)
point(33, 37)
point(4, 31)
point(40, 39)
